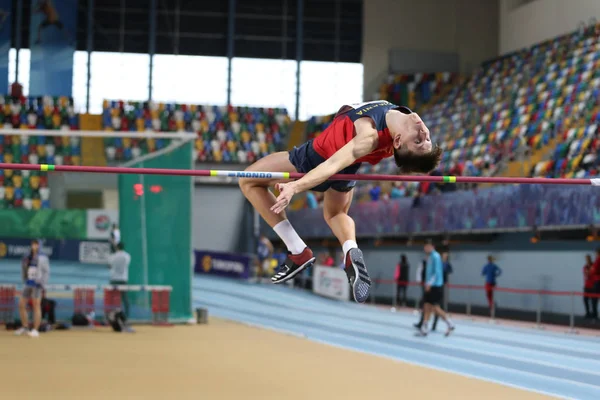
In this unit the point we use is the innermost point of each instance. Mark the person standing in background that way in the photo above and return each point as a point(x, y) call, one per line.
point(588, 287)
point(445, 246)
point(16, 90)
point(596, 286)
point(420, 278)
point(447, 267)
point(375, 192)
point(279, 254)
point(35, 269)
point(328, 260)
point(434, 281)
point(491, 271)
point(447, 271)
point(340, 257)
point(264, 251)
point(398, 191)
point(119, 272)
point(115, 237)
point(311, 201)
point(401, 277)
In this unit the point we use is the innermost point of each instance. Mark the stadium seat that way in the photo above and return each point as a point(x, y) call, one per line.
point(518, 102)
point(34, 112)
point(227, 129)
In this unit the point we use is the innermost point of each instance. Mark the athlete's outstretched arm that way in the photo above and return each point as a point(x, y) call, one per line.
point(362, 144)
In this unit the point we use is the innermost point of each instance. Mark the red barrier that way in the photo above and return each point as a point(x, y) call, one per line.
point(161, 306)
point(540, 293)
point(83, 299)
point(7, 303)
point(112, 301)
point(496, 289)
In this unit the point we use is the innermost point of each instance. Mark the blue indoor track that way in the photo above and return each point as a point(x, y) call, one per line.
point(556, 364)
point(560, 365)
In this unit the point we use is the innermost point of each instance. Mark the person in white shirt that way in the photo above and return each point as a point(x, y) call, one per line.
point(115, 237)
point(36, 272)
point(119, 272)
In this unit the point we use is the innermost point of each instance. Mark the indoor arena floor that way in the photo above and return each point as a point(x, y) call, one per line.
point(272, 342)
point(533, 363)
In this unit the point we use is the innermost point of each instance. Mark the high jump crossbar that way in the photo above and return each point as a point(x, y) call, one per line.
point(297, 175)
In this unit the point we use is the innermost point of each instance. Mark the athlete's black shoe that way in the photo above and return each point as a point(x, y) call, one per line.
point(293, 265)
point(357, 275)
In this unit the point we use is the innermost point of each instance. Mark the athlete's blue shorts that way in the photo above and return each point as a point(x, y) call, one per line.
point(305, 159)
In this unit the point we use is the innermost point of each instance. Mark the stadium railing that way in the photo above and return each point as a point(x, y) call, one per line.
point(148, 303)
point(469, 304)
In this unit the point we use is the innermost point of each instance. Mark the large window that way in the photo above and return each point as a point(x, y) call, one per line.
point(80, 72)
point(190, 79)
point(263, 83)
point(118, 76)
point(326, 86)
point(24, 62)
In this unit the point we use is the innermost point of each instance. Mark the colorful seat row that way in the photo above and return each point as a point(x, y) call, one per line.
point(224, 134)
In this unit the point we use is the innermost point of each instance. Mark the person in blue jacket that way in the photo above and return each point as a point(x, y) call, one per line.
point(434, 282)
point(447, 271)
point(491, 271)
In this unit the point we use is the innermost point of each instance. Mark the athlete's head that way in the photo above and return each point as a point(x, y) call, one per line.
point(35, 246)
point(413, 150)
point(429, 247)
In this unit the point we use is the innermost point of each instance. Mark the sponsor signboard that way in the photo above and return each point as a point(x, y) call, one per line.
point(222, 264)
point(331, 282)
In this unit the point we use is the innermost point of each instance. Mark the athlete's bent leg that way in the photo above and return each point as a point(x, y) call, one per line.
point(335, 211)
point(257, 192)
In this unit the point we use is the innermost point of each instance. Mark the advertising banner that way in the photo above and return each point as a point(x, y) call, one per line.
point(47, 224)
point(222, 264)
point(99, 223)
point(67, 250)
point(331, 282)
point(5, 37)
point(94, 252)
point(52, 42)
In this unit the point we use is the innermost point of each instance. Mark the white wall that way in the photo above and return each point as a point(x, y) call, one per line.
point(531, 23)
point(535, 270)
point(217, 217)
point(110, 199)
point(466, 27)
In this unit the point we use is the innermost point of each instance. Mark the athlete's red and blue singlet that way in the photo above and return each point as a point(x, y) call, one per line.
point(341, 130)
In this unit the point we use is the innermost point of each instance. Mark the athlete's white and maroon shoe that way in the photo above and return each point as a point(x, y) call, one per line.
point(358, 276)
point(293, 265)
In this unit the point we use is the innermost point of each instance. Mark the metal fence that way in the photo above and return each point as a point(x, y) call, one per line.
point(468, 305)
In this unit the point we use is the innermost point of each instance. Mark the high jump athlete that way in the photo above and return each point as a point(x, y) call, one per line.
point(366, 132)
